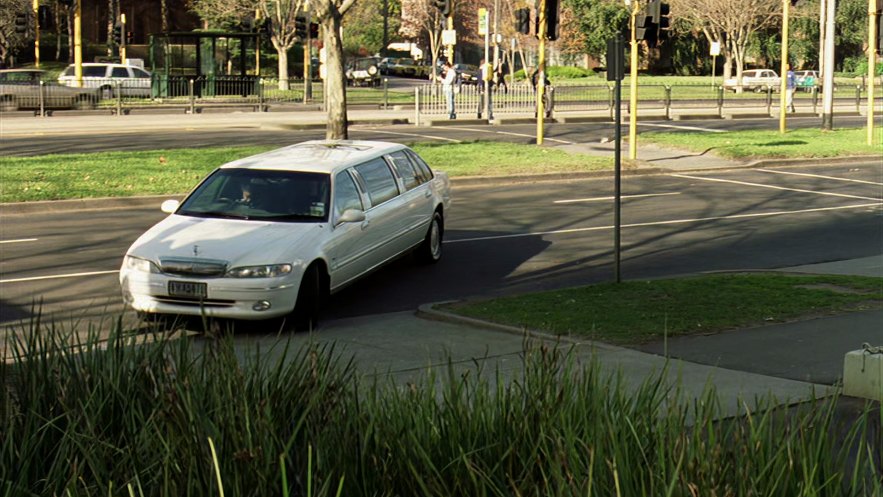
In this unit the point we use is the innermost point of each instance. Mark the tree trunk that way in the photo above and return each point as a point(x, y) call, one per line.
point(110, 23)
point(57, 11)
point(282, 53)
point(164, 14)
point(335, 88)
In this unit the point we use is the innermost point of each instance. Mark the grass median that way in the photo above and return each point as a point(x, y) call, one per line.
point(176, 171)
point(641, 311)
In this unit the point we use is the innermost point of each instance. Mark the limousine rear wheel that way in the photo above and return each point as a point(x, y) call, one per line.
point(430, 251)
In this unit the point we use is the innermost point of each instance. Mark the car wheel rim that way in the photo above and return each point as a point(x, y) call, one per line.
point(435, 240)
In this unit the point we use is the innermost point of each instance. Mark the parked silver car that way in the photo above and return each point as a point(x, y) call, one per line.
point(22, 89)
point(130, 81)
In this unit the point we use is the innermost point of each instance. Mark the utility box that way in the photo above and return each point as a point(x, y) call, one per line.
point(863, 374)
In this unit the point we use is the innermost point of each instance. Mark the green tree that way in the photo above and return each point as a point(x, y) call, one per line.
point(599, 21)
point(363, 26)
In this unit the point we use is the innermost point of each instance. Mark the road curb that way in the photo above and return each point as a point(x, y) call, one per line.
point(84, 204)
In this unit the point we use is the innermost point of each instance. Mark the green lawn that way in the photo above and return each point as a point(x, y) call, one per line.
point(639, 311)
point(771, 144)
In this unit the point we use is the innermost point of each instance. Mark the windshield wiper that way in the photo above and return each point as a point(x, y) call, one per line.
point(223, 215)
point(290, 217)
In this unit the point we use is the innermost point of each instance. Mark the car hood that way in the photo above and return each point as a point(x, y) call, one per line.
point(238, 242)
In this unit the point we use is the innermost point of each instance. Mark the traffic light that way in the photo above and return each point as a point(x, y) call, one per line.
point(444, 6)
point(21, 23)
point(117, 34)
point(522, 21)
point(647, 23)
point(552, 9)
point(300, 27)
point(66, 3)
point(664, 22)
point(314, 30)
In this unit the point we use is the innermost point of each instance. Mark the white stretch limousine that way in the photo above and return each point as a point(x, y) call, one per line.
point(273, 234)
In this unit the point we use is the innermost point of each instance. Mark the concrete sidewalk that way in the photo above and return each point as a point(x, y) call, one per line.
point(787, 363)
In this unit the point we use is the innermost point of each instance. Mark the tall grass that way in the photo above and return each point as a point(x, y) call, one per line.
point(193, 417)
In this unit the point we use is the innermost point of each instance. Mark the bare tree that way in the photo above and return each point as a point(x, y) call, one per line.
point(729, 23)
point(10, 41)
point(330, 13)
point(283, 32)
point(419, 17)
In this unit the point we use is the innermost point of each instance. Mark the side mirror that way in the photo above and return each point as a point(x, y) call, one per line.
point(351, 216)
point(170, 206)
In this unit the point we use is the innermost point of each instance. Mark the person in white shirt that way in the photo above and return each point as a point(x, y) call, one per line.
point(449, 79)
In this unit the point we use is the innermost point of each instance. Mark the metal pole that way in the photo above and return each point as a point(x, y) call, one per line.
point(617, 161)
point(783, 85)
point(828, 103)
point(872, 59)
point(257, 44)
point(78, 44)
point(541, 70)
point(451, 47)
point(633, 86)
point(37, 33)
point(308, 58)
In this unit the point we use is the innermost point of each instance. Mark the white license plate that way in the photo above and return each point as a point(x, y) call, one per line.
point(188, 289)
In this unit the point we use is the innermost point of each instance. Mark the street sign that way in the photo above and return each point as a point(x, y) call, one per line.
point(482, 22)
point(715, 48)
point(449, 37)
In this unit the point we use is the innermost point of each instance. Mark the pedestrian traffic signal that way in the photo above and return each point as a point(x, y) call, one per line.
point(552, 9)
point(522, 21)
point(21, 23)
point(300, 27)
point(314, 30)
point(444, 6)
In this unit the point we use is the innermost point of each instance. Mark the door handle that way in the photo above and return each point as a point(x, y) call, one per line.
point(428, 193)
point(365, 225)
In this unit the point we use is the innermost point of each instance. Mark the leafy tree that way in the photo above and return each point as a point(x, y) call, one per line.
point(363, 26)
point(10, 41)
point(598, 21)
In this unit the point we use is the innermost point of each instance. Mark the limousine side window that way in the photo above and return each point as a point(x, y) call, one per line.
point(346, 195)
point(421, 167)
point(379, 181)
point(410, 176)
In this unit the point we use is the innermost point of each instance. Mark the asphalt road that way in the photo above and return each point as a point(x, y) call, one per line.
point(510, 238)
point(556, 134)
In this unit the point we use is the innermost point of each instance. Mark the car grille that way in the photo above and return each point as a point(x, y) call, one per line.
point(194, 302)
point(196, 268)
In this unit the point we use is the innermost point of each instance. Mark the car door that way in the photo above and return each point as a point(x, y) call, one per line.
point(382, 235)
point(345, 251)
point(416, 198)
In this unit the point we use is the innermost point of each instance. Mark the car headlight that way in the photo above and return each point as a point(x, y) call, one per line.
point(140, 265)
point(268, 271)
point(372, 70)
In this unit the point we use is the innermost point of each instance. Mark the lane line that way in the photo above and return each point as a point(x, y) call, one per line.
point(688, 128)
point(521, 135)
point(821, 176)
point(664, 223)
point(596, 199)
point(22, 240)
point(58, 276)
point(773, 187)
point(416, 135)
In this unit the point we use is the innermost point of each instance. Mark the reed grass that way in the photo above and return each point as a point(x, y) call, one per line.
point(182, 417)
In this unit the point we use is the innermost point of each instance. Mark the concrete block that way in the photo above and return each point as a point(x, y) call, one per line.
point(863, 374)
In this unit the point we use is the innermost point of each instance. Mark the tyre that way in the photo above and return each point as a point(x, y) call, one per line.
point(430, 251)
point(310, 297)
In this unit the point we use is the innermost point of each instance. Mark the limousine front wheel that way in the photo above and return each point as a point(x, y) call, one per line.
point(309, 300)
point(430, 250)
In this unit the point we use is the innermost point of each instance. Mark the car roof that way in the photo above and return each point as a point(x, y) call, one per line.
point(318, 156)
point(105, 64)
point(20, 70)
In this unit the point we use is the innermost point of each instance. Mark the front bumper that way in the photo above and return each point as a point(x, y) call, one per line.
point(251, 299)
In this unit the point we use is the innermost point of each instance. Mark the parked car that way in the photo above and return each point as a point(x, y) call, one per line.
point(755, 80)
point(806, 80)
point(469, 73)
point(131, 80)
point(404, 67)
point(21, 89)
point(364, 71)
point(385, 65)
point(273, 234)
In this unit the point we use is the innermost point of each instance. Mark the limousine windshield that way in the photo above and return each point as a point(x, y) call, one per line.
point(261, 195)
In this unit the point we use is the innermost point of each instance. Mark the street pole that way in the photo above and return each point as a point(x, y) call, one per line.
point(484, 73)
point(872, 62)
point(783, 85)
point(451, 47)
point(123, 38)
point(828, 87)
point(78, 44)
point(36, 33)
point(257, 43)
point(822, 24)
point(617, 158)
point(308, 56)
point(541, 70)
point(633, 85)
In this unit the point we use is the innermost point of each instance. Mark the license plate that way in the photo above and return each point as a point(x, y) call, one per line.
point(187, 289)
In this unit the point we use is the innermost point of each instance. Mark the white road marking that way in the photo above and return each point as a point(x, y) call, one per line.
point(416, 135)
point(19, 241)
point(57, 276)
point(510, 133)
point(761, 185)
point(820, 176)
point(596, 199)
point(688, 128)
point(663, 223)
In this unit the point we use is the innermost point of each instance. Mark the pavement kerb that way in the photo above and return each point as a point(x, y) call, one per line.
point(429, 311)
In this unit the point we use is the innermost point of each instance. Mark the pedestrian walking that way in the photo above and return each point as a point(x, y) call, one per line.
point(500, 76)
point(790, 86)
point(449, 79)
